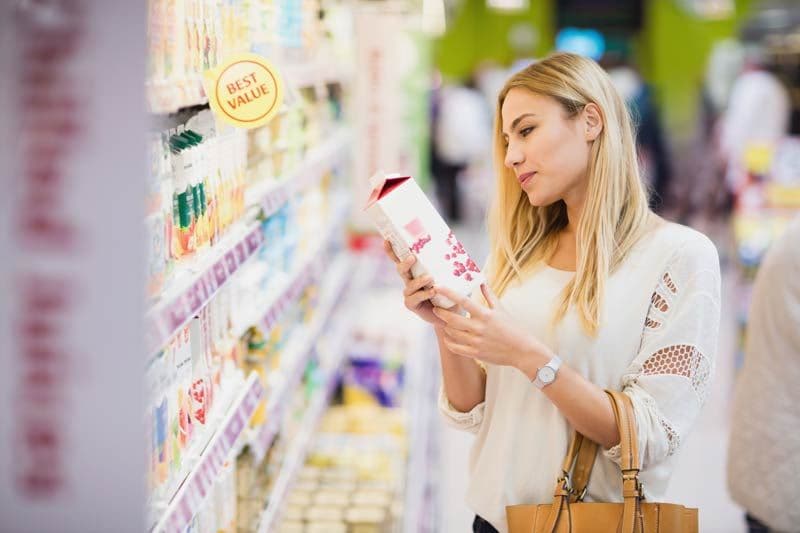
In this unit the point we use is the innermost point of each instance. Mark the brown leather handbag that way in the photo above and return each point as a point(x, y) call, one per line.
point(569, 513)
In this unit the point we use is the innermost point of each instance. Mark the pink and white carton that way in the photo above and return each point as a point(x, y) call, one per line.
point(406, 218)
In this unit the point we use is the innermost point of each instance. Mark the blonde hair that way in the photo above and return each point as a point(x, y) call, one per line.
point(616, 212)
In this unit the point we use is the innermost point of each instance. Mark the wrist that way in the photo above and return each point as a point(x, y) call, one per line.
point(532, 359)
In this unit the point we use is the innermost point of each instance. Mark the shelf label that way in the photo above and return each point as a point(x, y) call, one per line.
point(241, 252)
point(230, 261)
point(245, 91)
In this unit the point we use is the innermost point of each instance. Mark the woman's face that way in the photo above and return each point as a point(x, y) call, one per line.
point(547, 150)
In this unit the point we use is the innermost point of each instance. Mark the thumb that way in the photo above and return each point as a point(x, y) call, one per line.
point(490, 297)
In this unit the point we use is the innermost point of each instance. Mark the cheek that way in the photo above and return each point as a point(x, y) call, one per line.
point(565, 157)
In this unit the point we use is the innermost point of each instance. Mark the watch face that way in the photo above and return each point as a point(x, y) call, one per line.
point(546, 374)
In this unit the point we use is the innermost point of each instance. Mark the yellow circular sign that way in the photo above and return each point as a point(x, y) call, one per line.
point(245, 91)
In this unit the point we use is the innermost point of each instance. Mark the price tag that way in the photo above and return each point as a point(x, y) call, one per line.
point(245, 91)
point(230, 261)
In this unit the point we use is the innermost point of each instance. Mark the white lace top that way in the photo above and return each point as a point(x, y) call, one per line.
point(656, 342)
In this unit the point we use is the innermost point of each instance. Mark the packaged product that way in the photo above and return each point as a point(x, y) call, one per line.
point(294, 513)
point(183, 374)
point(289, 526)
point(327, 513)
point(326, 526)
point(201, 388)
point(256, 361)
point(330, 497)
point(366, 520)
point(157, 426)
point(406, 218)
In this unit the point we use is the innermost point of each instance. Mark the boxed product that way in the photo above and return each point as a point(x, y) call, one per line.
point(406, 218)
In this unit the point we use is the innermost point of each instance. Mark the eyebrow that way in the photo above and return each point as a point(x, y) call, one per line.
point(518, 120)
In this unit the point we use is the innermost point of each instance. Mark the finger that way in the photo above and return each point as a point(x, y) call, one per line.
point(414, 285)
point(460, 349)
point(461, 337)
point(418, 297)
point(490, 297)
point(387, 246)
point(471, 307)
point(455, 320)
point(404, 267)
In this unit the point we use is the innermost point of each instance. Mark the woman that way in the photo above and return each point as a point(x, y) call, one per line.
point(588, 290)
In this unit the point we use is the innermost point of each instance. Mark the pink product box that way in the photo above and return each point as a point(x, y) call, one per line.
point(406, 218)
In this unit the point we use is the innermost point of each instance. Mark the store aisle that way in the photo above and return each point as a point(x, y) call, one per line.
point(700, 478)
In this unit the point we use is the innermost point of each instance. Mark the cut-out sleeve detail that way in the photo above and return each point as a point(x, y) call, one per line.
point(669, 379)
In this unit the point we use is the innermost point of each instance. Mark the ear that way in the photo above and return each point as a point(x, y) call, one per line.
point(593, 121)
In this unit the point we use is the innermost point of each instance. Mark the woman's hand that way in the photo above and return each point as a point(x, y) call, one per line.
point(489, 334)
point(416, 296)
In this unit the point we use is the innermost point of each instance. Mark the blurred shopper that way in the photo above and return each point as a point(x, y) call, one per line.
point(652, 150)
point(764, 457)
point(588, 290)
point(461, 132)
point(707, 165)
point(758, 112)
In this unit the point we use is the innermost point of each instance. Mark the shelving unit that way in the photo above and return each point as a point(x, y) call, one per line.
point(297, 353)
point(223, 443)
point(300, 446)
point(356, 277)
point(164, 99)
point(238, 296)
point(199, 280)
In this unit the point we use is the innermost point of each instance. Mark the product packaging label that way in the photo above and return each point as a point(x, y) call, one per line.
point(406, 218)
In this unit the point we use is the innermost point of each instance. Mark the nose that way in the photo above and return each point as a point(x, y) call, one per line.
point(514, 156)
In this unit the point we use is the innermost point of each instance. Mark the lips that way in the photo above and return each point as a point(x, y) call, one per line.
point(524, 178)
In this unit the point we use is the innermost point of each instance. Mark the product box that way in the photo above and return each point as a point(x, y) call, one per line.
point(405, 217)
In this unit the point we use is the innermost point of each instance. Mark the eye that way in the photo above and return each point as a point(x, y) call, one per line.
point(526, 131)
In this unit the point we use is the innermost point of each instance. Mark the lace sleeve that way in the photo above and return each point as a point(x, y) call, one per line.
point(669, 380)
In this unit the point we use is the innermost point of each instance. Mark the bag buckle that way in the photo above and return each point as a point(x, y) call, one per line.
point(634, 476)
point(566, 482)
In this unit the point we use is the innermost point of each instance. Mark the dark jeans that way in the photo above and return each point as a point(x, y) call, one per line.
point(482, 526)
point(754, 525)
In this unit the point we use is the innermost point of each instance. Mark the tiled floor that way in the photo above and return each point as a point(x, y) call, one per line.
point(700, 476)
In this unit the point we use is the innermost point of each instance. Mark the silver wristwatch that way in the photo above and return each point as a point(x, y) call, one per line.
point(547, 374)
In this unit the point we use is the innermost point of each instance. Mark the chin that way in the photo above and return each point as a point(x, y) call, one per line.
point(540, 200)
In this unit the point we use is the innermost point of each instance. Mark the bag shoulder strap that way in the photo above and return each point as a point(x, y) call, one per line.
point(629, 460)
point(626, 423)
point(582, 470)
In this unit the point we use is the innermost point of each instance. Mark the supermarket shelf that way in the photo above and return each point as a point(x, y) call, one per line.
point(201, 278)
point(293, 284)
point(271, 196)
point(198, 282)
point(297, 353)
point(165, 98)
point(314, 73)
point(192, 493)
point(362, 274)
point(302, 442)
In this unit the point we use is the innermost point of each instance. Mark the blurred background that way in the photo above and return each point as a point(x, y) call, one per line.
point(200, 332)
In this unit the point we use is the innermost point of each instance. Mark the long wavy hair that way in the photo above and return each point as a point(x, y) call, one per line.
point(616, 213)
